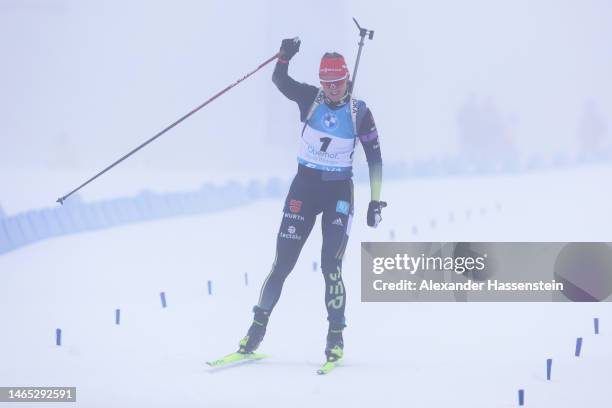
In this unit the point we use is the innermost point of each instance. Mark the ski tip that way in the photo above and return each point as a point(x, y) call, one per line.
point(328, 367)
point(214, 363)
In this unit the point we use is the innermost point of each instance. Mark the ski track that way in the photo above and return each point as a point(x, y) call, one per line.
point(405, 354)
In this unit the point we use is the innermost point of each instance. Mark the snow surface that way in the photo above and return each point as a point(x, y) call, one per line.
point(397, 354)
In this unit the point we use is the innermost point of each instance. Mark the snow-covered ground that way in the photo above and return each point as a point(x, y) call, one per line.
point(397, 354)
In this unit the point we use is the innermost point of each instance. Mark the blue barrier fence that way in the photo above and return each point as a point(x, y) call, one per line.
point(77, 216)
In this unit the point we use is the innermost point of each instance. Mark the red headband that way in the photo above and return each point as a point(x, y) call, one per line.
point(333, 69)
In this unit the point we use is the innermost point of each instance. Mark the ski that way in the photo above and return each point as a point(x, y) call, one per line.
point(334, 356)
point(328, 367)
point(235, 358)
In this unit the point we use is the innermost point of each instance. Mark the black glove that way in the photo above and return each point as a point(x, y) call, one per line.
point(374, 210)
point(289, 47)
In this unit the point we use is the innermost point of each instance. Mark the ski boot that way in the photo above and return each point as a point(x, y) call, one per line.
point(255, 335)
point(334, 350)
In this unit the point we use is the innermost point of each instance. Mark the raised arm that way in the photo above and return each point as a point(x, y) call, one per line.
point(303, 94)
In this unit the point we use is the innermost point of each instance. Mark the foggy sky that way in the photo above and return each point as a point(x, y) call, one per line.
point(82, 82)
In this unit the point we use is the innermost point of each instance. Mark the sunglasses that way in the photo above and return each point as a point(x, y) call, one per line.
point(334, 83)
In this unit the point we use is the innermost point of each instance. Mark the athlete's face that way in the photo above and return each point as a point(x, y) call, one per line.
point(335, 90)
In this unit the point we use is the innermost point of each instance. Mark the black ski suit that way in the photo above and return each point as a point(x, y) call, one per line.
point(313, 192)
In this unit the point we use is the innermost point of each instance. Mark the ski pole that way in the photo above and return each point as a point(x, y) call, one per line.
point(61, 199)
point(362, 33)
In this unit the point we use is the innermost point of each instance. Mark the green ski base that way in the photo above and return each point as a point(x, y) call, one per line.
point(235, 358)
point(328, 367)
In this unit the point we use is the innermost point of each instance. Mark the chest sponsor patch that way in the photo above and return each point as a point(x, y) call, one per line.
point(329, 121)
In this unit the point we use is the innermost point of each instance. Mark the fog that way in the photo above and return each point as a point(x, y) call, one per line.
point(83, 82)
point(495, 125)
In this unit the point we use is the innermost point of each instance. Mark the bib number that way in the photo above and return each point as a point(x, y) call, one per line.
point(325, 143)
